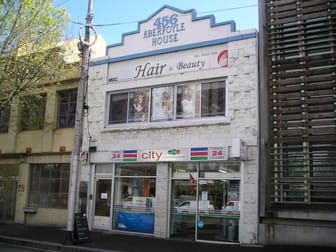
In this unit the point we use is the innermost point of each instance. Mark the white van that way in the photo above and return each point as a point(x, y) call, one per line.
point(203, 205)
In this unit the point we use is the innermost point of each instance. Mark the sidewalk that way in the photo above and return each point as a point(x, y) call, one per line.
point(52, 239)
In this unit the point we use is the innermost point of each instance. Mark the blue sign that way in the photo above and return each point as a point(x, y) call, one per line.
point(136, 222)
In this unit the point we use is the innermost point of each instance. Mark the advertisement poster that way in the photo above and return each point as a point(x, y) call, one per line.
point(187, 98)
point(138, 106)
point(163, 100)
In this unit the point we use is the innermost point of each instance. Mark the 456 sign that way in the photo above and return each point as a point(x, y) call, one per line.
point(161, 22)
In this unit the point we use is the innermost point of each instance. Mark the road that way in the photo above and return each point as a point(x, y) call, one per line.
point(13, 248)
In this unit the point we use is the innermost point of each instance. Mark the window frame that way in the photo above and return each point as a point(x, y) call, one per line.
point(43, 199)
point(153, 99)
point(33, 110)
point(69, 117)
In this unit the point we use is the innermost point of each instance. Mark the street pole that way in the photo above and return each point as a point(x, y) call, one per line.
point(75, 155)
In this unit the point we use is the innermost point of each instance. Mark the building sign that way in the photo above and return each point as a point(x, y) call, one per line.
point(165, 29)
point(176, 63)
point(171, 155)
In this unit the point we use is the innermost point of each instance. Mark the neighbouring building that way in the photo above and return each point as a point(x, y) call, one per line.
point(170, 145)
point(35, 147)
point(298, 122)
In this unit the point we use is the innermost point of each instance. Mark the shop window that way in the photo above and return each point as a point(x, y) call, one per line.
point(187, 101)
point(33, 112)
point(4, 118)
point(205, 202)
point(168, 103)
point(49, 185)
point(134, 198)
point(67, 108)
point(162, 104)
point(138, 106)
point(213, 99)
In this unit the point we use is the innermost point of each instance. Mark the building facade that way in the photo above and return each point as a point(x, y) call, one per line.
point(170, 146)
point(298, 133)
point(36, 141)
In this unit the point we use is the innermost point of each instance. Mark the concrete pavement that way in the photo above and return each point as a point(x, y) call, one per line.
point(53, 239)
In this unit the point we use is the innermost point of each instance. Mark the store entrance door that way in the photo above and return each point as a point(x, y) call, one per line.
point(205, 203)
point(215, 220)
point(102, 210)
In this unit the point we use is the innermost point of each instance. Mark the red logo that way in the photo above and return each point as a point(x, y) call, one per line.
point(222, 58)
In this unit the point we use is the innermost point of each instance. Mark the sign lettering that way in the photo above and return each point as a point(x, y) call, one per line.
point(166, 30)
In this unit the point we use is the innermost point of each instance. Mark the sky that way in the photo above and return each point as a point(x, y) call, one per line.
point(113, 18)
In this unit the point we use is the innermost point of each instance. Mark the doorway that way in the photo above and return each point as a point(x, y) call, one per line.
point(8, 190)
point(102, 209)
point(205, 203)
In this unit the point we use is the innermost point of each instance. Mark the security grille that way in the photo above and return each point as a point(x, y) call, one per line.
point(302, 87)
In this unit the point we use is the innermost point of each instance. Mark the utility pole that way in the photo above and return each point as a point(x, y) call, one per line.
point(84, 46)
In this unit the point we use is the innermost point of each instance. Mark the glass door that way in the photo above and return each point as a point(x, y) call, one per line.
point(215, 222)
point(205, 202)
point(102, 211)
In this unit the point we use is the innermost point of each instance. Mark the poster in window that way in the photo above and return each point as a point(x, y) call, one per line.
point(188, 101)
point(138, 106)
point(162, 104)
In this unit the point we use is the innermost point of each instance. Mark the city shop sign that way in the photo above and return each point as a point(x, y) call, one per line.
point(171, 155)
point(165, 30)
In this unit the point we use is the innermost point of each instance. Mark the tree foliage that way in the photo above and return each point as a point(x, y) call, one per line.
point(30, 32)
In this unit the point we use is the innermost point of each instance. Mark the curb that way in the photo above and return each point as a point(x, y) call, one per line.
point(47, 246)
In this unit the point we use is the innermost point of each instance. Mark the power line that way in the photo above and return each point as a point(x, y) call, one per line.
point(133, 22)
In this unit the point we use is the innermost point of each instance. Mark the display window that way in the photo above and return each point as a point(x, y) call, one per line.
point(138, 106)
point(205, 201)
point(168, 103)
point(134, 198)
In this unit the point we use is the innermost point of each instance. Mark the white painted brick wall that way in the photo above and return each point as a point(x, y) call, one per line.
point(242, 122)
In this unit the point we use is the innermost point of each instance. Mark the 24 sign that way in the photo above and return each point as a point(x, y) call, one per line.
point(217, 153)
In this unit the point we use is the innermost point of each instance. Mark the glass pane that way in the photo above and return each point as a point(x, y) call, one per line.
point(187, 103)
point(215, 167)
point(162, 104)
point(34, 199)
point(67, 108)
point(52, 200)
point(103, 197)
point(43, 200)
point(218, 210)
point(213, 99)
point(134, 198)
point(56, 172)
point(184, 169)
point(54, 185)
point(118, 108)
point(36, 172)
point(135, 170)
point(45, 190)
point(44, 185)
point(138, 106)
point(183, 209)
point(45, 171)
point(103, 168)
point(64, 185)
point(63, 201)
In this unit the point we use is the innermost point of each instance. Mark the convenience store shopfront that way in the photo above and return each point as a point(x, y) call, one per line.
point(190, 199)
point(171, 133)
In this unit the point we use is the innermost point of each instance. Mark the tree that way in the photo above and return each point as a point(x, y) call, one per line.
point(30, 53)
